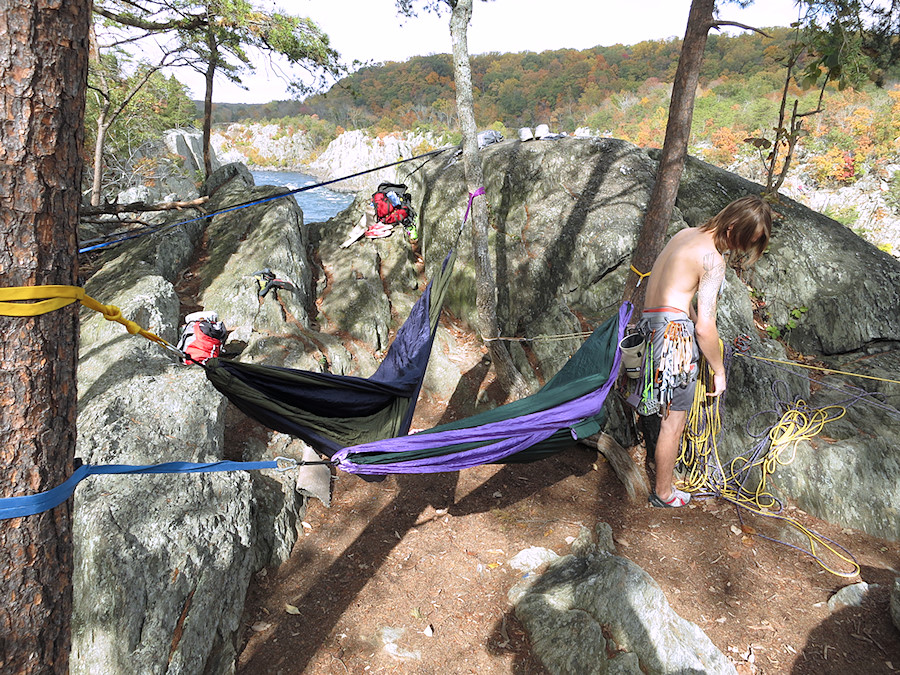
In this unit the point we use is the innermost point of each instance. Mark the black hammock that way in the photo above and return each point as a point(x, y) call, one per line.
point(329, 411)
point(362, 423)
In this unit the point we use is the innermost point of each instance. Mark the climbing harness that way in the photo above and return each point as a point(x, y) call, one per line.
point(669, 364)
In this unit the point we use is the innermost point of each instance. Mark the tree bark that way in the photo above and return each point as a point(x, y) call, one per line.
point(674, 152)
point(43, 77)
point(486, 288)
point(207, 101)
point(96, 187)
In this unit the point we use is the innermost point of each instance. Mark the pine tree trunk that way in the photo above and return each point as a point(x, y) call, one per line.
point(674, 152)
point(43, 77)
point(486, 289)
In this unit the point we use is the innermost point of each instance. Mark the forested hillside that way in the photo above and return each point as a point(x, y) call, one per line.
point(564, 87)
point(620, 91)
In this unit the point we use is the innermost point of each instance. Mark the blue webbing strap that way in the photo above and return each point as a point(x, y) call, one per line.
point(244, 205)
point(29, 505)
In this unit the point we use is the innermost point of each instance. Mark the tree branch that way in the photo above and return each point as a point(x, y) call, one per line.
point(190, 22)
point(718, 25)
point(135, 207)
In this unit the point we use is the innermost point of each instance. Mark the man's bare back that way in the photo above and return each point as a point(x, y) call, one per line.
point(691, 265)
point(679, 271)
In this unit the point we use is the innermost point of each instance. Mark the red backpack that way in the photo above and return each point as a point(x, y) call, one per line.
point(202, 337)
point(393, 204)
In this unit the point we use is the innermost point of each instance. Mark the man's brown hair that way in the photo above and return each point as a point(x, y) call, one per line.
point(745, 226)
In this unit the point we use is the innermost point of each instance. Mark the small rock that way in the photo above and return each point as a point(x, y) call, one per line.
point(849, 596)
point(532, 558)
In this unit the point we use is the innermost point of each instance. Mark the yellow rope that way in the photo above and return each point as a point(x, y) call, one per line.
point(50, 298)
point(705, 472)
point(819, 368)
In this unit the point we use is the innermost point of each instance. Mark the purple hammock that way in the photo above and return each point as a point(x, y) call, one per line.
point(568, 407)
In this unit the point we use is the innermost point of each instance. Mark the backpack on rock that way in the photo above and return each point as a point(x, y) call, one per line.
point(202, 337)
point(392, 205)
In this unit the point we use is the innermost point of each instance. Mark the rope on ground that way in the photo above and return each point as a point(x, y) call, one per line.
point(708, 476)
point(244, 205)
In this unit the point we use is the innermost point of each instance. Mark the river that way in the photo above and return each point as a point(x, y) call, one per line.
point(318, 204)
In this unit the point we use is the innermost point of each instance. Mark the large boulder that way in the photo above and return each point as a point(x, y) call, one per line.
point(162, 563)
point(565, 216)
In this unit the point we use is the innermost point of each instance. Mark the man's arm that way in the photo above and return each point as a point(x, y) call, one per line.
point(707, 332)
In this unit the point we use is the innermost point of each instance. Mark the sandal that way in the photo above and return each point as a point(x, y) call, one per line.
point(677, 499)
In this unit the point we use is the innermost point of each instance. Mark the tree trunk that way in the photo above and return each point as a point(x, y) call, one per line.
point(674, 152)
point(486, 289)
point(43, 77)
point(102, 126)
point(207, 102)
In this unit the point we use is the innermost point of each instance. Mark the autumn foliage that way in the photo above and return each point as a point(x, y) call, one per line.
point(621, 91)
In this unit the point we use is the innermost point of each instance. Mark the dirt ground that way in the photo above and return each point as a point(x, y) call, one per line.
point(411, 574)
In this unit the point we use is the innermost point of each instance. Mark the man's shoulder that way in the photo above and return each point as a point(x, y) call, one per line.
point(692, 243)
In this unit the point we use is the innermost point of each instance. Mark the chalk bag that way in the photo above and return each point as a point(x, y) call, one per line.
point(632, 347)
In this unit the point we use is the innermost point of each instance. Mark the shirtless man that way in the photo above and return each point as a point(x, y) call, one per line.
point(692, 264)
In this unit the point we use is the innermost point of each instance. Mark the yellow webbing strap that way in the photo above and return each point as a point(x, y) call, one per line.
point(50, 298)
point(641, 275)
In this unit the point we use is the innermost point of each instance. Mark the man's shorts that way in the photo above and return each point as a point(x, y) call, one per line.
point(675, 390)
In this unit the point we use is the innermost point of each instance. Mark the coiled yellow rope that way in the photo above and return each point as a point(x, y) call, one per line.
point(706, 474)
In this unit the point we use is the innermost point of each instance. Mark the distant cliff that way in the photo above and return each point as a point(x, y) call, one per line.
point(864, 206)
point(276, 147)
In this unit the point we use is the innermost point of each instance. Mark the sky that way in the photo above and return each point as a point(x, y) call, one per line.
point(371, 31)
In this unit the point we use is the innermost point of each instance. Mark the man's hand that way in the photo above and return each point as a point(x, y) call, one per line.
point(719, 384)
